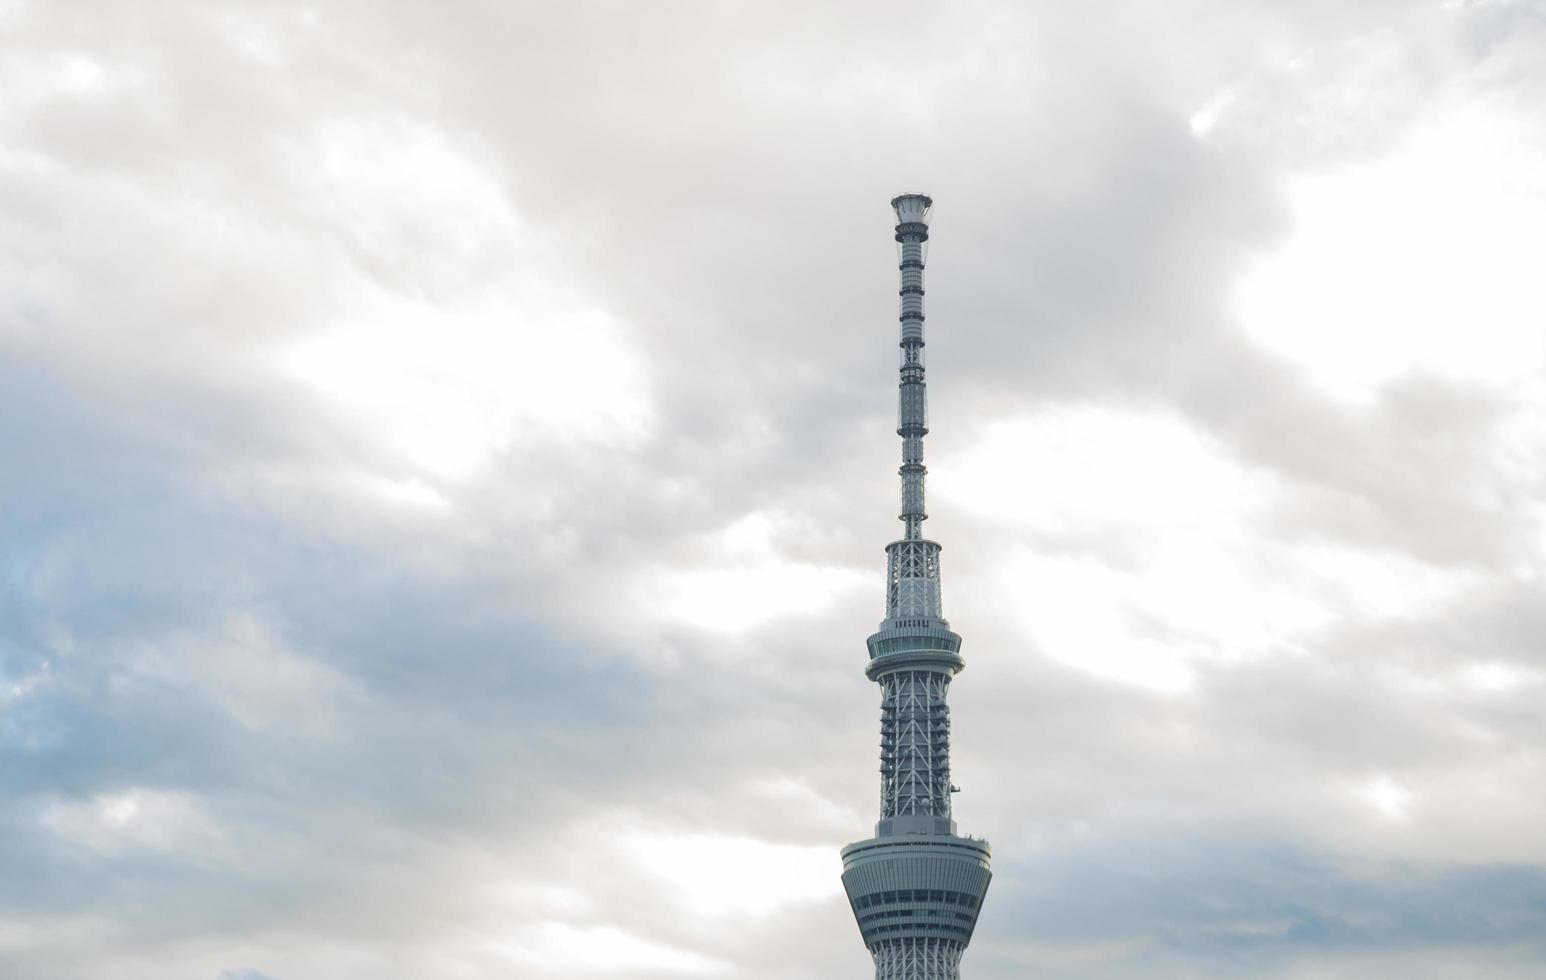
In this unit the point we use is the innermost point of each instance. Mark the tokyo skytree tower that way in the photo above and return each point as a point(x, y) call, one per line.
point(916, 886)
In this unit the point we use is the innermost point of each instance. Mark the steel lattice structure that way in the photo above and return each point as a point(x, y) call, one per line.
point(923, 960)
point(916, 887)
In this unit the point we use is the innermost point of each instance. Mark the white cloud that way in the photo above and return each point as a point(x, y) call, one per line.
point(1141, 553)
point(713, 876)
point(249, 671)
point(743, 581)
point(559, 948)
point(137, 818)
point(1146, 549)
point(1389, 798)
point(1419, 259)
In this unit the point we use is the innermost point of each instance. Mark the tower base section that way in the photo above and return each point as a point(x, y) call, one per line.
point(917, 959)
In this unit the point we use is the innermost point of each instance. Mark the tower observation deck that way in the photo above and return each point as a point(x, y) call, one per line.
point(916, 886)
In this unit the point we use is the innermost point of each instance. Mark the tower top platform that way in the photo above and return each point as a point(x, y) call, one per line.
point(912, 208)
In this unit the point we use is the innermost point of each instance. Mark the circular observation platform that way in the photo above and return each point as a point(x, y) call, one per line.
point(914, 644)
point(920, 888)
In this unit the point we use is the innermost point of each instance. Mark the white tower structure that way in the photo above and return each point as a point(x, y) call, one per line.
point(916, 886)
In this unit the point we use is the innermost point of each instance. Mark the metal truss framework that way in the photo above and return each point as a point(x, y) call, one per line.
point(912, 580)
point(914, 744)
point(918, 959)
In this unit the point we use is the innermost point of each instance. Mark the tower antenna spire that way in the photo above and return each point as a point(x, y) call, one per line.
point(915, 887)
point(912, 232)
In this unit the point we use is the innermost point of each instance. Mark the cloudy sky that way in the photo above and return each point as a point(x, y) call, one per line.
point(445, 456)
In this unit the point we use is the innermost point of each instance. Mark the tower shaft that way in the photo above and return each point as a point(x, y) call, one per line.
point(915, 887)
